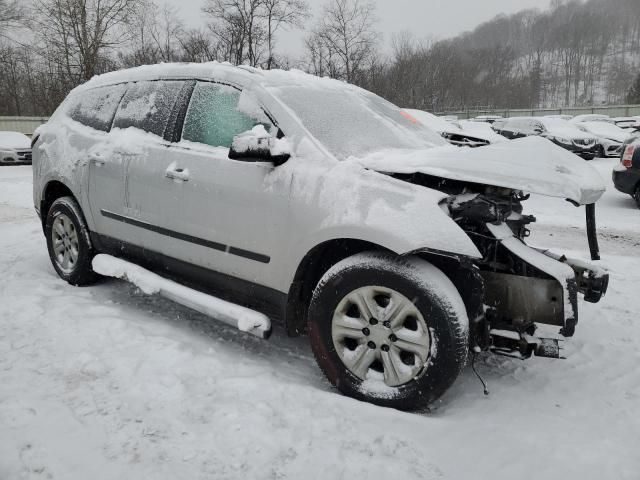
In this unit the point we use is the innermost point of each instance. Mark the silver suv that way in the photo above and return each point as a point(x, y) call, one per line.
point(322, 206)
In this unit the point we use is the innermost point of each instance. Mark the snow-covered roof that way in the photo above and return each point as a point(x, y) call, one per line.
point(224, 72)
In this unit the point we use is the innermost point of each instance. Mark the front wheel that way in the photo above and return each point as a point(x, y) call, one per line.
point(388, 330)
point(69, 243)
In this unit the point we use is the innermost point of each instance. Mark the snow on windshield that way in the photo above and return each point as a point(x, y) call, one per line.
point(353, 122)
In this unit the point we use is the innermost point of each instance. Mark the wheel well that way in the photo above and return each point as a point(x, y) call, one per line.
point(52, 192)
point(321, 258)
point(311, 269)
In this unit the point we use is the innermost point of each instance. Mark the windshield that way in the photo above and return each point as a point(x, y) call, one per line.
point(353, 122)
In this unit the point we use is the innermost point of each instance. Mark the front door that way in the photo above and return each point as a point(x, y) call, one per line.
point(207, 210)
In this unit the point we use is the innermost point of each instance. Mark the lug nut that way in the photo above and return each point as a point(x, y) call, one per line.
point(387, 323)
point(366, 331)
point(373, 321)
point(371, 345)
point(384, 348)
point(393, 337)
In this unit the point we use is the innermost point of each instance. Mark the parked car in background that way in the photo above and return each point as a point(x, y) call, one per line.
point(448, 130)
point(486, 118)
point(631, 124)
point(481, 130)
point(319, 205)
point(626, 174)
point(561, 117)
point(560, 132)
point(610, 137)
point(592, 117)
point(15, 147)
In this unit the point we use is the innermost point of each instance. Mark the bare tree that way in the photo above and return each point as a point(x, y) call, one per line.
point(346, 34)
point(281, 13)
point(237, 24)
point(12, 13)
point(79, 32)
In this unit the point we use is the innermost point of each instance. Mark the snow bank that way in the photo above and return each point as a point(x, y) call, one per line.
point(244, 319)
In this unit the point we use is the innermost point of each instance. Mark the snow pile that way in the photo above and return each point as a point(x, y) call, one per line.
point(244, 319)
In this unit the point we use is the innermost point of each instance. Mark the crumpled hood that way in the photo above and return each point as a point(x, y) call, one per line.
point(530, 164)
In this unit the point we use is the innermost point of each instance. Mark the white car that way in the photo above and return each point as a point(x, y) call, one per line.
point(450, 131)
point(486, 118)
point(609, 137)
point(561, 117)
point(15, 147)
point(592, 117)
point(631, 124)
point(320, 206)
point(481, 130)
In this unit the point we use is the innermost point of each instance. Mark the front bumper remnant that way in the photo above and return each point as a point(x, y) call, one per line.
point(547, 294)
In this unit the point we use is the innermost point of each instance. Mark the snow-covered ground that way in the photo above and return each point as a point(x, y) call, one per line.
point(108, 383)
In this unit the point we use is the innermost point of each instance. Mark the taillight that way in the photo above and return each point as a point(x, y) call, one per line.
point(627, 156)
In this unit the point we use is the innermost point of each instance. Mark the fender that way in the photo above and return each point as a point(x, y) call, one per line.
point(349, 202)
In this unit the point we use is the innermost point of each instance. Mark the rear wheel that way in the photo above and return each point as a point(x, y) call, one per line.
point(636, 195)
point(68, 242)
point(388, 330)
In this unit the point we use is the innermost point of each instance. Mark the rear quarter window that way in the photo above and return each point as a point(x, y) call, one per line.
point(148, 106)
point(96, 107)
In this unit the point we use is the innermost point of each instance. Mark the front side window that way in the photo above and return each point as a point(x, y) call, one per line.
point(148, 106)
point(213, 117)
point(96, 107)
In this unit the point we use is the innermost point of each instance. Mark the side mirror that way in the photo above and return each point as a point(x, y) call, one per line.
point(537, 131)
point(257, 145)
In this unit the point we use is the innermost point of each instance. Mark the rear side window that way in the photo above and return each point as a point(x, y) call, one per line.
point(95, 108)
point(213, 117)
point(148, 106)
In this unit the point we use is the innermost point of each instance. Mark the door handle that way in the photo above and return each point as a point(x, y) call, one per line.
point(97, 159)
point(176, 173)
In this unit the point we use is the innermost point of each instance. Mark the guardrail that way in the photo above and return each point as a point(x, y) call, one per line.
point(611, 110)
point(25, 125)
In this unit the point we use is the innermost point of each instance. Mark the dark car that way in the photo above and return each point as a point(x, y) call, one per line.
point(626, 175)
point(560, 132)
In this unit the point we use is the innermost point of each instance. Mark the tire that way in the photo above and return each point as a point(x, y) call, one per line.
point(69, 243)
point(434, 319)
point(636, 195)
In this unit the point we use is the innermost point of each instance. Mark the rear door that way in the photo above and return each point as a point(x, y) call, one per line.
point(95, 109)
point(138, 138)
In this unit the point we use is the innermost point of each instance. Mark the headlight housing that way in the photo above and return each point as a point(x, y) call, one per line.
point(565, 141)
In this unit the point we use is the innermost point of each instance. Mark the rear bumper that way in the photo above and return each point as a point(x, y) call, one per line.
point(626, 180)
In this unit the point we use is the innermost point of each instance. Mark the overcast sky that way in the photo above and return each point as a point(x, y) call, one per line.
point(424, 18)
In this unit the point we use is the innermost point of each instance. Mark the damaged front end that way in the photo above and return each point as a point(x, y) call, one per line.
point(520, 286)
point(523, 286)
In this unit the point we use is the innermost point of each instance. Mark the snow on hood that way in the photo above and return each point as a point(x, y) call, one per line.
point(14, 140)
point(433, 122)
point(530, 164)
point(606, 130)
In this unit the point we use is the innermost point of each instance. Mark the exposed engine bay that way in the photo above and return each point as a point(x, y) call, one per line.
point(515, 286)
